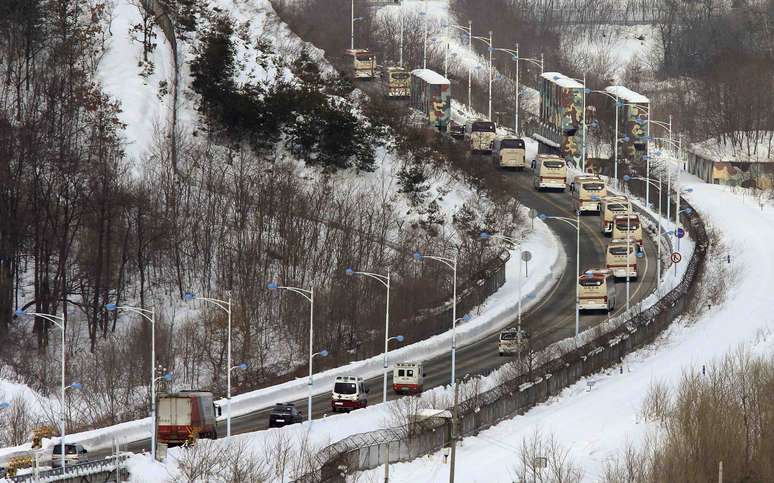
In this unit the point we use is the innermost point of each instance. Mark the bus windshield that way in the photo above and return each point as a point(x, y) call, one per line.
point(512, 144)
point(620, 250)
point(365, 56)
point(483, 126)
point(591, 282)
point(345, 388)
point(510, 335)
point(627, 226)
point(617, 207)
point(553, 164)
point(593, 186)
point(399, 75)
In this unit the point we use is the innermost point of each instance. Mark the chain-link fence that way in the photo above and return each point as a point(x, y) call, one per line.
point(518, 394)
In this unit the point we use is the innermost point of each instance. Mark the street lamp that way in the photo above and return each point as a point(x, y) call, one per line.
point(308, 295)
point(468, 30)
point(513, 244)
point(59, 321)
point(241, 366)
point(451, 263)
point(488, 42)
point(575, 224)
point(352, 25)
point(423, 13)
point(384, 280)
point(225, 305)
point(515, 57)
point(150, 315)
point(628, 178)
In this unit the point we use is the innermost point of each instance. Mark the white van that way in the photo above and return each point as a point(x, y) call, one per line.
point(349, 392)
point(408, 378)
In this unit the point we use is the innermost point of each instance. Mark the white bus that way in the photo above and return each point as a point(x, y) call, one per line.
point(613, 205)
point(596, 290)
point(480, 135)
point(512, 341)
point(620, 256)
point(398, 82)
point(628, 226)
point(549, 171)
point(587, 193)
point(363, 63)
point(408, 378)
point(509, 152)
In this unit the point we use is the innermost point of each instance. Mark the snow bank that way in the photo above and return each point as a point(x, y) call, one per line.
point(598, 416)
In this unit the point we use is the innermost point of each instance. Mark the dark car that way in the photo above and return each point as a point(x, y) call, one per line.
point(283, 414)
point(457, 131)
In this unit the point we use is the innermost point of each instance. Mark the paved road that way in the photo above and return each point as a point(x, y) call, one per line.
point(552, 319)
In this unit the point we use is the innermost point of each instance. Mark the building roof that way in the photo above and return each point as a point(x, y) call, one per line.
point(720, 151)
point(430, 76)
point(627, 95)
point(562, 80)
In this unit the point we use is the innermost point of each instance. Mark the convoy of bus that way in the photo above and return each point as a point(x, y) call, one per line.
point(587, 193)
point(549, 171)
point(480, 135)
point(509, 152)
point(512, 341)
point(596, 290)
point(398, 82)
point(408, 378)
point(621, 258)
point(628, 226)
point(612, 205)
point(363, 63)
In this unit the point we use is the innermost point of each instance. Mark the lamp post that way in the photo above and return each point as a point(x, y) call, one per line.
point(384, 280)
point(243, 367)
point(575, 224)
point(225, 305)
point(628, 178)
point(515, 57)
point(451, 263)
point(149, 315)
point(468, 30)
point(488, 42)
point(513, 244)
point(58, 321)
point(77, 386)
point(308, 295)
point(424, 41)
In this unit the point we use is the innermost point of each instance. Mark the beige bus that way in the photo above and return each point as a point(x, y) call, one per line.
point(596, 290)
point(549, 171)
point(622, 256)
point(480, 135)
point(628, 226)
point(587, 193)
point(612, 205)
point(509, 152)
point(398, 82)
point(363, 63)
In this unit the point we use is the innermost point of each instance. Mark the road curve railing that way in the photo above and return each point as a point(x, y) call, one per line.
point(545, 374)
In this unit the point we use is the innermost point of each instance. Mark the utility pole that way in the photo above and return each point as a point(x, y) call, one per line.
point(455, 430)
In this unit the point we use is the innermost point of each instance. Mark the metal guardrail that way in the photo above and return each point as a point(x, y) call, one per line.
point(365, 450)
point(79, 470)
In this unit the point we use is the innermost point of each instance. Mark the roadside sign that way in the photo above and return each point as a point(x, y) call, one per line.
point(680, 233)
point(676, 257)
point(533, 213)
point(526, 255)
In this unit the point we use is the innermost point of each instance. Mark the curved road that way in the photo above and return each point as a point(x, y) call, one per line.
point(552, 319)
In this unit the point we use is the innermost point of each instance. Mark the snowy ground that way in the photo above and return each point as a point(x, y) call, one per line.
point(598, 416)
point(138, 87)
